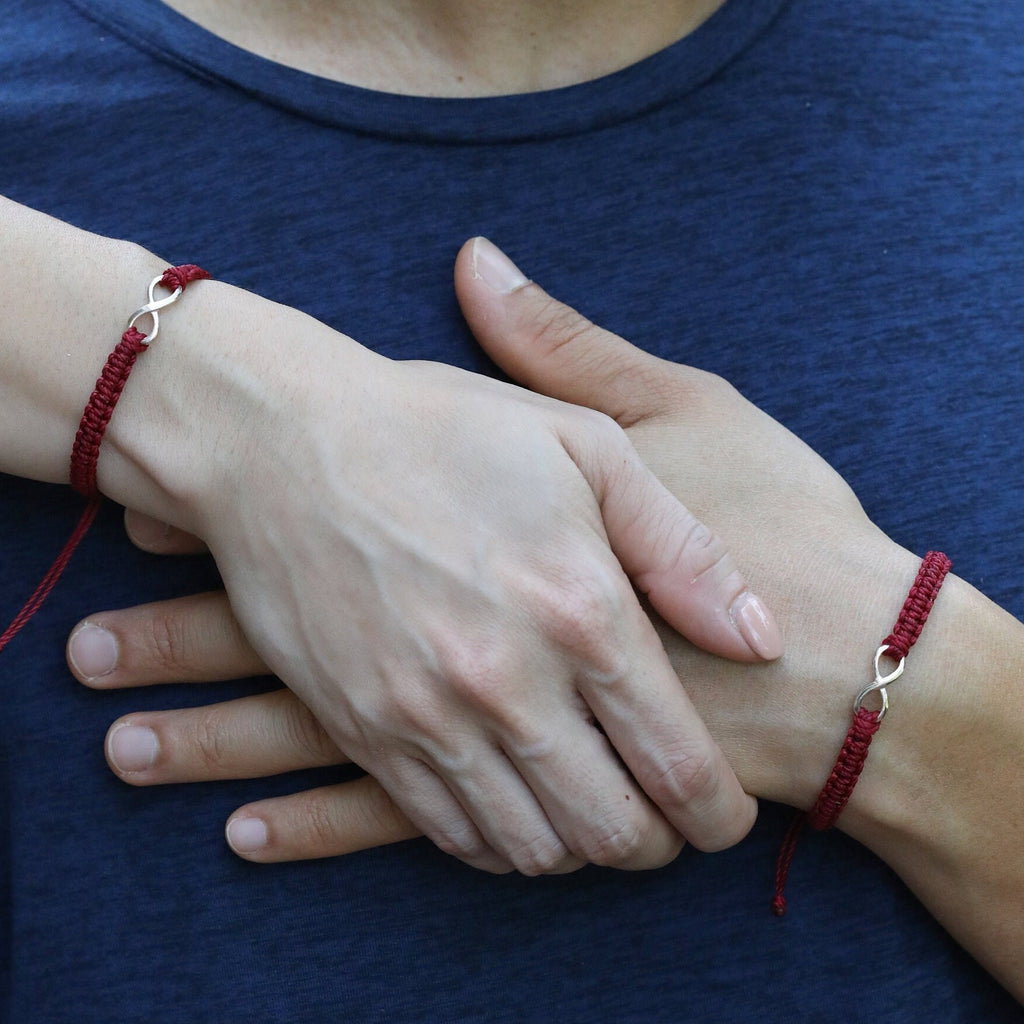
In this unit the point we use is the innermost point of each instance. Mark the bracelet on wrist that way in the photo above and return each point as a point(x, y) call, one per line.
point(852, 756)
point(100, 407)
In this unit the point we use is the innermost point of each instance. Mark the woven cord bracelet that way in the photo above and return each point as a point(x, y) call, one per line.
point(100, 407)
point(834, 797)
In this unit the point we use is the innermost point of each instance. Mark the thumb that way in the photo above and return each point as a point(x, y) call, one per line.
point(685, 569)
point(548, 347)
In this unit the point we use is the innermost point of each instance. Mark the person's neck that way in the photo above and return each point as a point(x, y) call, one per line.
point(452, 47)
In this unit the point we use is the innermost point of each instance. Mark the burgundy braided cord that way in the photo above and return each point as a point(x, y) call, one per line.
point(854, 753)
point(86, 449)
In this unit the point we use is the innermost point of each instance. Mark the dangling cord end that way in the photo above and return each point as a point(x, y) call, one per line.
point(784, 860)
point(833, 798)
point(49, 581)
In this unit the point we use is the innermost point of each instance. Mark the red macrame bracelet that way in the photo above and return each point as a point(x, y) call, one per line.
point(86, 450)
point(834, 797)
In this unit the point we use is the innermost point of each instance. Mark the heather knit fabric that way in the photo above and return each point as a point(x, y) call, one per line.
point(821, 201)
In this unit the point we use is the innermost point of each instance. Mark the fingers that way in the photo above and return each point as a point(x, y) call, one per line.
point(433, 807)
point(659, 735)
point(685, 568)
point(604, 816)
point(185, 640)
point(658, 746)
point(327, 822)
point(254, 737)
point(159, 537)
point(248, 738)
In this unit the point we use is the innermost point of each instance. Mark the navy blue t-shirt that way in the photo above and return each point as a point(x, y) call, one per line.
point(823, 202)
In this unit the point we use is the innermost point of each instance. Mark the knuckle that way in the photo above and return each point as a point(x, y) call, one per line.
point(168, 642)
point(616, 845)
point(671, 386)
point(462, 842)
point(318, 830)
point(554, 325)
point(687, 779)
point(700, 389)
point(663, 854)
point(713, 386)
point(409, 711)
point(581, 616)
point(703, 550)
point(206, 743)
point(454, 761)
point(608, 429)
point(478, 672)
point(604, 438)
point(697, 554)
point(542, 856)
point(305, 734)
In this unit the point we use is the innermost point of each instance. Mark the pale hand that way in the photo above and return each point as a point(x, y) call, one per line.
point(442, 566)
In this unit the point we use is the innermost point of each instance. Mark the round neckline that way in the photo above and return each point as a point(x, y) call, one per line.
point(602, 102)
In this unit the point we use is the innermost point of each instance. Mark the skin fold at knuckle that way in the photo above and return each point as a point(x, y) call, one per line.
point(580, 615)
point(302, 827)
point(543, 855)
point(204, 744)
point(551, 326)
point(616, 844)
point(685, 780)
point(304, 734)
point(169, 644)
point(461, 842)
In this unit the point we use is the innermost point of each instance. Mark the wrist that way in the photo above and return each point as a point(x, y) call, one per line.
point(943, 789)
point(958, 702)
point(782, 724)
point(225, 392)
point(64, 297)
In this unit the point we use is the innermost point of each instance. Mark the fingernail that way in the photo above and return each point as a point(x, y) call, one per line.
point(133, 748)
point(495, 269)
point(146, 532)
point(246, 835)
point(92, 650)
point(757, 626)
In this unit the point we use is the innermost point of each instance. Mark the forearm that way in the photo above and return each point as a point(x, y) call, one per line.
point(64, 298)
point(217, 369)
point(941, 798)
point(943, 801)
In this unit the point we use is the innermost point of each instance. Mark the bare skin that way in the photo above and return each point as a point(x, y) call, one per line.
point(454, 49)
